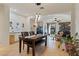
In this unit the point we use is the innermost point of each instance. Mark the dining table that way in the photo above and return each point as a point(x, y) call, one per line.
point(33, 39)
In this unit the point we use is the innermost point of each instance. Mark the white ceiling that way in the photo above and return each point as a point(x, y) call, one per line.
point(66, 17)
point(49, 8)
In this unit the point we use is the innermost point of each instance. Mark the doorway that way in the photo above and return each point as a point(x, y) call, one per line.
point(51, 28)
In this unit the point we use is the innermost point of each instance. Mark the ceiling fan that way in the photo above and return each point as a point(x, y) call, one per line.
point(57, 20)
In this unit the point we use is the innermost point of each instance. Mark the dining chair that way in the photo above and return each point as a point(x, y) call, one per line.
point(24, 34)
point(31, 33)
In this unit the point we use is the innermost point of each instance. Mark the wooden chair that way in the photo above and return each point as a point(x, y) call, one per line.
point(30, 43)
point(24, 34)
point(31, 33)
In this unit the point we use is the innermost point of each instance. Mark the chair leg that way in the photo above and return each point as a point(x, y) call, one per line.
point(23, 45)
point(27, 49)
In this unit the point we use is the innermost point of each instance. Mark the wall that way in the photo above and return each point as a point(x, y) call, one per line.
point(21, 19)
point(77, 17)
point(27, 24)
point(16, 18)
point(73, 25)
point(4, 25)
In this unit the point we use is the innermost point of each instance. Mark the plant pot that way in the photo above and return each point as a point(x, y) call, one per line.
point(69, 47)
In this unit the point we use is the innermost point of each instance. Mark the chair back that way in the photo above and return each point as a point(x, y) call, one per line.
point(31, 33)
point(24, 34)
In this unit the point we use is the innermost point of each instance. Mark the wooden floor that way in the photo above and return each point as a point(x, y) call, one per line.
point(50, 50)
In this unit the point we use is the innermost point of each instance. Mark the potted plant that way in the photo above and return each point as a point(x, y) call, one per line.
point(68, 42)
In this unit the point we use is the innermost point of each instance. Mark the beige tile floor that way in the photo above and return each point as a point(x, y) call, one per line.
point(50, 50)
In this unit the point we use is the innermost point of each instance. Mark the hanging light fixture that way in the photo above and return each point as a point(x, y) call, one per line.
point(38, 4)
point(38, 14)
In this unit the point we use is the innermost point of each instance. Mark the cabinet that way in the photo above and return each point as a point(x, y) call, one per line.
point(11, 39)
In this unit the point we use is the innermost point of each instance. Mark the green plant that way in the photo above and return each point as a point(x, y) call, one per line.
point(68, 39)
point(52, 32)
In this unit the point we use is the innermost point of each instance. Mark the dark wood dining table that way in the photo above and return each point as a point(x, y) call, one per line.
point(33, 39)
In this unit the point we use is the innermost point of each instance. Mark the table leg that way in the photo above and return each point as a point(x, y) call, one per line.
point(19, 45)
point(23, 45)
point(46, 41)
point(33, 48)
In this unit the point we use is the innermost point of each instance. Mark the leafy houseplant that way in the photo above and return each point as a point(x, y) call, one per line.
point(68, 42)
point(69, 39)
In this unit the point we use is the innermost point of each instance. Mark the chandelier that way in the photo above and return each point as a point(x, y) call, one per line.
point(38, 15)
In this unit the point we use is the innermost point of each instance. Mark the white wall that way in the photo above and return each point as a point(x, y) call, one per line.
point(21, 19)
point(4, 25)
point(27, 24)
point(44, 27)
point(16, 18)
point(73, 25)
point(57, 28)
point(77, 17)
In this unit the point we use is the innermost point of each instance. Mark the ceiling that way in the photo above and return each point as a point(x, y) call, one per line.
point(59, 17)
point(27, 9)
